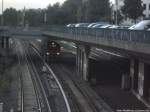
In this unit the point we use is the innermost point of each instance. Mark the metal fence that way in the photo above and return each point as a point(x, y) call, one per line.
point(139, 36)
point(4, 33)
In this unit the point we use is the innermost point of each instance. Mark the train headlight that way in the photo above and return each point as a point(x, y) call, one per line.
point(58, 53)
point(47, 53)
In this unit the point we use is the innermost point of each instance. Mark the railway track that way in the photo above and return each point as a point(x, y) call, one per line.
point(80, 96)
point(31, 97)
point(82, 101)
point(53, 90)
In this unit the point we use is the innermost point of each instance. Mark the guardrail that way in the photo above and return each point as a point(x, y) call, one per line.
point(4, 33)
point(139, 36)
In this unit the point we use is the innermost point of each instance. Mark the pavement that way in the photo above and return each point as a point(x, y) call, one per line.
point(30, 100)
point(109, 90)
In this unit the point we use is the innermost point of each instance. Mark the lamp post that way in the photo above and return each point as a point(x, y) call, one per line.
point(2, 17)
point(23, 19)
point(116, 20)
point(45, 18)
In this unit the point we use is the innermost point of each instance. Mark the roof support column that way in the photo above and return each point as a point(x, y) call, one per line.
point(134, 63)
point(141, 79)
point(82, 61)
point(2, 40)
point(86, 53)
point(5, 42)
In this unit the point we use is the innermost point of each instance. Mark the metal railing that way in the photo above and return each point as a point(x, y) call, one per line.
point(139, 36)
point(4, 33)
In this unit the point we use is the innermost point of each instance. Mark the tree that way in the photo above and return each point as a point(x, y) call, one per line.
point(70, 9)
point(34, 17)
point(133, 9)
point(0, 19)
point(10, 17)
point(96, 10)
point(119, 17)
point(55, 14)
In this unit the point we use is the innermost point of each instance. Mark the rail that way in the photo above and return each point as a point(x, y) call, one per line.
point(78, 33)
point(37, 82)
point(56, 79)
point(140, 36)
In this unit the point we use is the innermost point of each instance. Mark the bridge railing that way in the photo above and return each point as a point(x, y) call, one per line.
point(109, 34)
point(4, 32)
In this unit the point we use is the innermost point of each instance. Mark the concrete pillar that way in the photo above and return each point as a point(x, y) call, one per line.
point(132, 72)
point(141, 79)
point(7, 42)
point(134, 65)
point(1, 107)
point(2, 42)
point(77, 59)
point(82, 61)
point(86, 62)
point(144, 80)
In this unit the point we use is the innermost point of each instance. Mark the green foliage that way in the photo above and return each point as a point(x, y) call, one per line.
point(10, 17)
point(95, 10)
point(55, 14)
point(132, 9)
point(99, 10)
point(71, 11)
point(5, 81)
point(0, 19)
point(34, 17)
point(119, 17)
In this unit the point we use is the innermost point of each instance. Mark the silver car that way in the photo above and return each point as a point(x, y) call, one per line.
point(143, 25)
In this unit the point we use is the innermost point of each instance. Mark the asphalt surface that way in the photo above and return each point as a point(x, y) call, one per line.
point(30, 102)
point(54, 94)
point(108, 85)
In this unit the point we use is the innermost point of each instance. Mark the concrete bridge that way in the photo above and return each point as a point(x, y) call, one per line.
point(135, 44)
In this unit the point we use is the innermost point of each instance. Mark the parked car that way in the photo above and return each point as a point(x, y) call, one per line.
point(114, 27)
point(143, 25)
point(105, 26)
point(82, 24)
point(148, 29)
point(96, 24)
point(91, 25)
point(70, 25)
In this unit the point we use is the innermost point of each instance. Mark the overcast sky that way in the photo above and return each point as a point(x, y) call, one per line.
point(19, 4)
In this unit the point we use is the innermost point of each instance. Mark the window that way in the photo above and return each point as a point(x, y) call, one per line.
point(149, 6)
point(144, 6)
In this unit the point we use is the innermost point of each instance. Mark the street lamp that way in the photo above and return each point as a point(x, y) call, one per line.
point(45, 18)
point(116, 21)
point(2, 17)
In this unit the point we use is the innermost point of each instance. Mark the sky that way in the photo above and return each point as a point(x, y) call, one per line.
point(19, 4)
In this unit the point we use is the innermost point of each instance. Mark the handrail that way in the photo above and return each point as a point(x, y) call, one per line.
point(140, 36)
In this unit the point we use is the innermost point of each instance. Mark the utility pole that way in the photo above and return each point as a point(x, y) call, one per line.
point(23, 19)
point(2, 17)
point(45, 18)
point(116, 20)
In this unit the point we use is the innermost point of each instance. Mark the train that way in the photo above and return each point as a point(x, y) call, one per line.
point(50, 50)
point(53, 49)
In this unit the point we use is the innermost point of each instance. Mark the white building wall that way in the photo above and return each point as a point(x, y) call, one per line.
point(146, 12)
